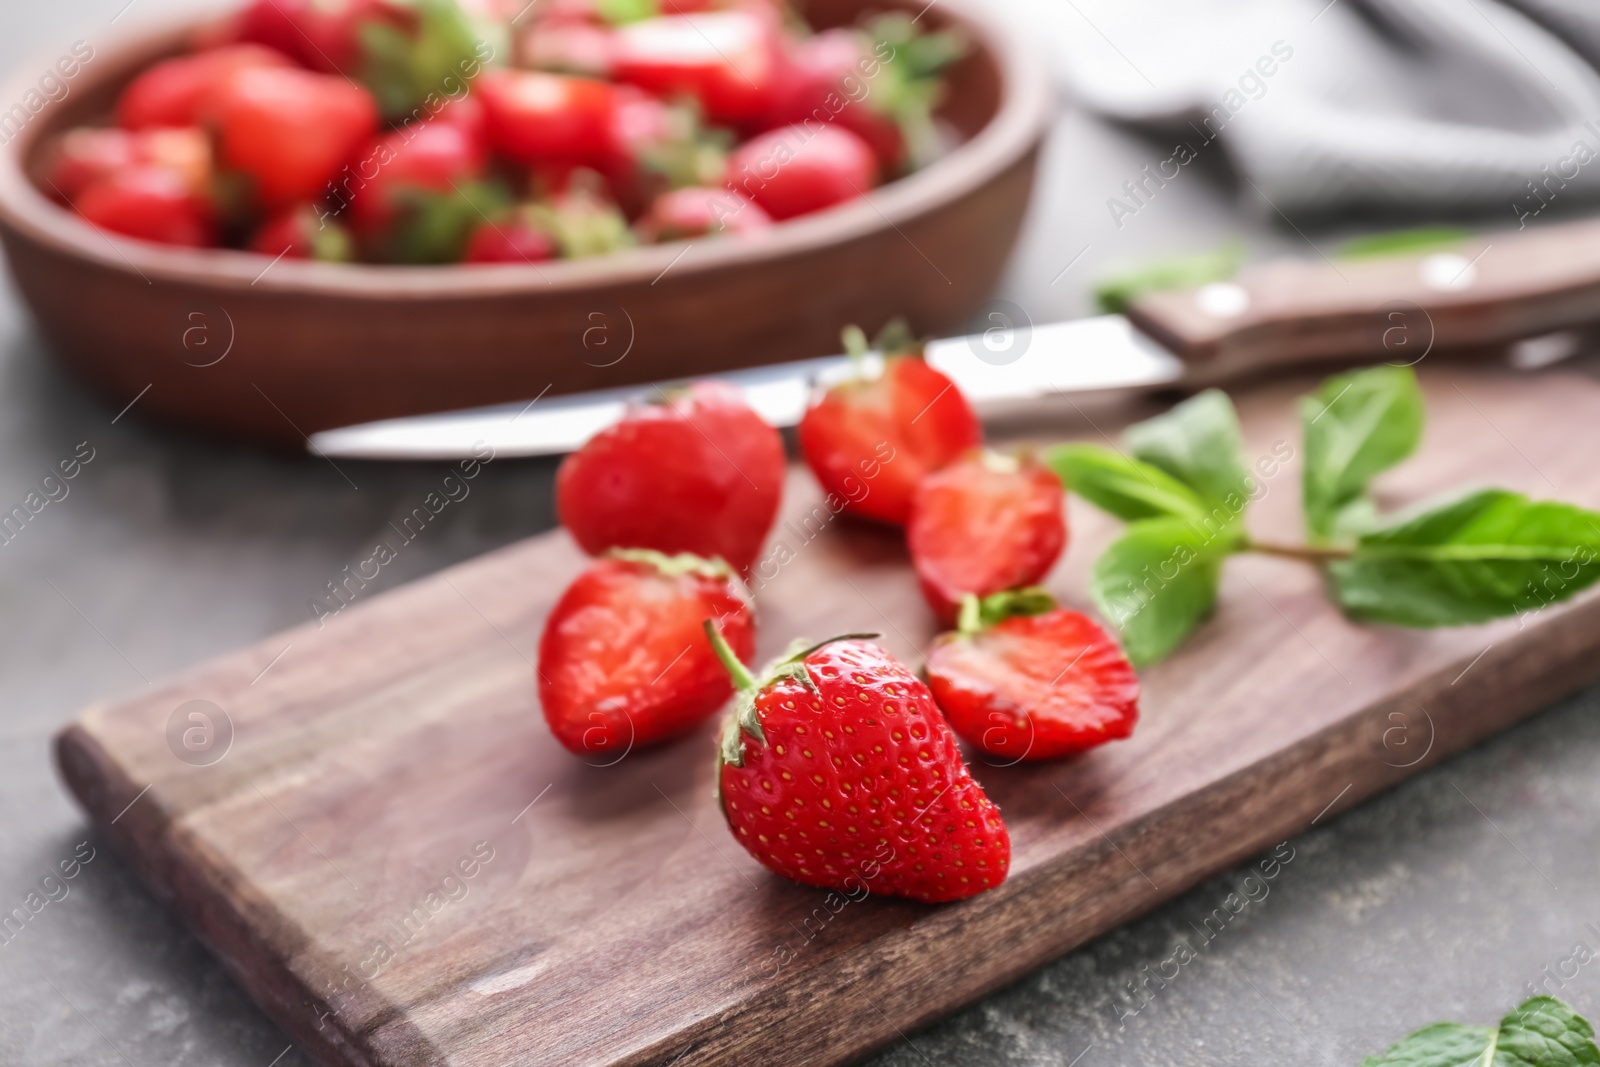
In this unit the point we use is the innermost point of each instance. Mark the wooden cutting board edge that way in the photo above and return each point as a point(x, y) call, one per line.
point(1554, 655)
point(1322, 775)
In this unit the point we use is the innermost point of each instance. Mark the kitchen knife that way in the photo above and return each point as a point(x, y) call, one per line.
point(1491, 291)
point(1000, 368)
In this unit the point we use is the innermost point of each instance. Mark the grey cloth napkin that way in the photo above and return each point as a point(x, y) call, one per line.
point(1419, 105)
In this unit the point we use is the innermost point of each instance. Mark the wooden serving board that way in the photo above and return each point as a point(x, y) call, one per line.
point(400, 864)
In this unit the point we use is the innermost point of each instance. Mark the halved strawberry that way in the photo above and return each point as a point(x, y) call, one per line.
point(1024, 680)
point(870, 441)
point(624, 661)
point(566, 46)
point(151, 203)
point(732, 62)
point(985, 524)
point(699, 472)
point(837, 770)
point(84, 156)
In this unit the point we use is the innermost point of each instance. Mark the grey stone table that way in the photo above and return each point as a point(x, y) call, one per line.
point(1443, 899)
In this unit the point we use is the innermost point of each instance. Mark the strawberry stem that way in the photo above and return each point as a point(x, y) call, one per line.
point(742, 678)
point(745, 720)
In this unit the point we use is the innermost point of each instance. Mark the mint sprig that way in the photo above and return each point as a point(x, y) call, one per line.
point(1183, 485)
point(1199, 444)
point(1541, 1032)
point(1184, 489)
point(1356, 426)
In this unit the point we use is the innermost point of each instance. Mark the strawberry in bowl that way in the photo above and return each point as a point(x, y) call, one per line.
point(406, 125)
point(543, 243)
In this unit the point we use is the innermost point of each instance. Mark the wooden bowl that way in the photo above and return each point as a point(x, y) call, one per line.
point(219, 342)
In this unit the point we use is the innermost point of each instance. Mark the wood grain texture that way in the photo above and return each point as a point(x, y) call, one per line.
point(616, 922)
point(311, 346)
point(1392, 307)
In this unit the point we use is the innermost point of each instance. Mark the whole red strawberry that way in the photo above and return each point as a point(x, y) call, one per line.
point(1025, 680)
point(837, 770)
point(796, 170)
point(870, 440)
point(624, 661)
point(699, 472)
point(290, 131)
point(176, 92)
point(982, 525)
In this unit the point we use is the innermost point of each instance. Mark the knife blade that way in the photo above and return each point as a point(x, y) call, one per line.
point(1495, 291)
point(996, 369)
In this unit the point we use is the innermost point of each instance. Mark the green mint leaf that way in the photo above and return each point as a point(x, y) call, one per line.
point(1489, 554)
point(1413, 242)
point(1353, 520)
point(1544, 1032)
point(1541, 1032)
point(1198, 443)
point(1356, 426)
point(1114, 293)
point(1439, 1045)
point(1126, 488)
point(1157, 583)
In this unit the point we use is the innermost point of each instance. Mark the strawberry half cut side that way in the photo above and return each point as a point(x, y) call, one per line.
point(623, 661)
point(1022, 679)
point(837, 770)
point(869, 440)
point(984, 524)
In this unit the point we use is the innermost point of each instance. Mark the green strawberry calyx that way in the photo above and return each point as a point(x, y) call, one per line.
point(745, 719)
point(714, 567)
point(687, 564)
point(911, 83)
point(895, 339)
point(979, 614)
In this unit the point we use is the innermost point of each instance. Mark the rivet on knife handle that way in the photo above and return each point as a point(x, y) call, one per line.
point(1490, 291)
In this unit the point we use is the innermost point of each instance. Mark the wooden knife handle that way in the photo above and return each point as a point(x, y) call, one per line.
point(1489, 291)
